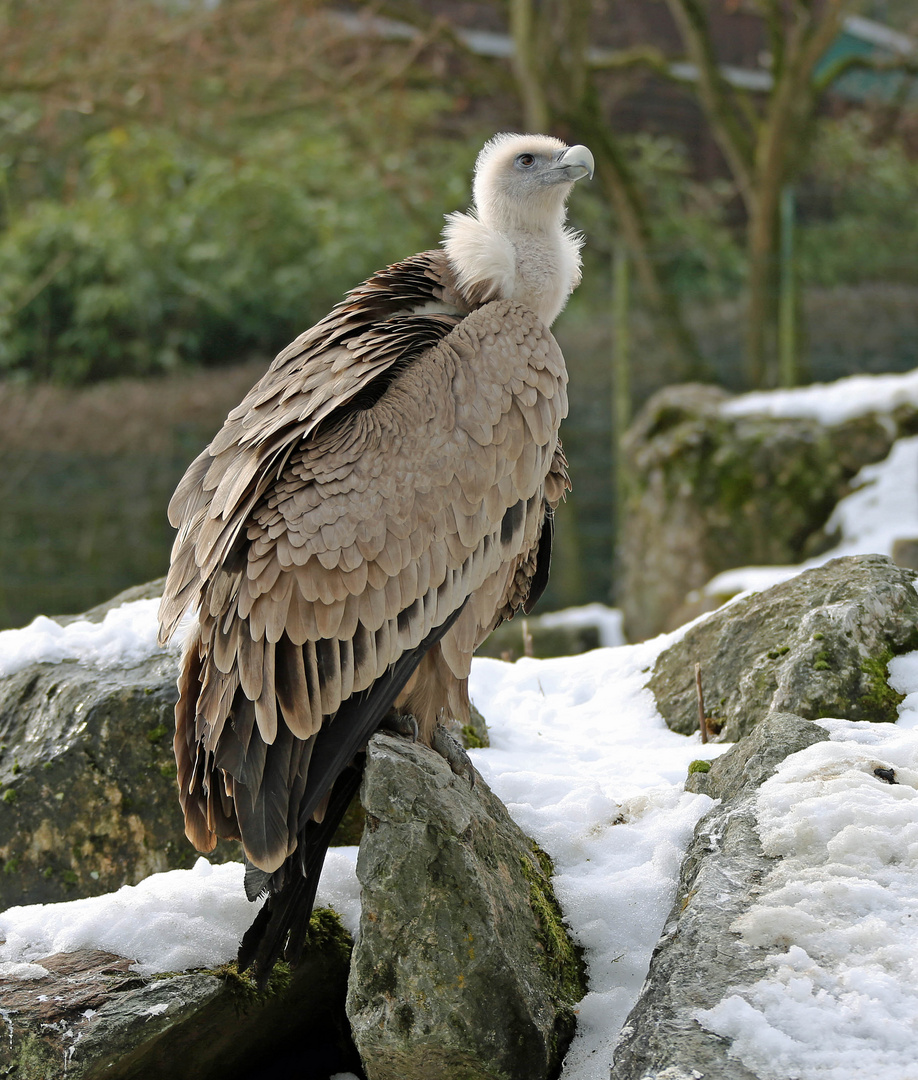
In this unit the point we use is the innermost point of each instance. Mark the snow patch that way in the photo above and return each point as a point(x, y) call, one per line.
point(839, 911)
point(831, 403)
point(125, 636)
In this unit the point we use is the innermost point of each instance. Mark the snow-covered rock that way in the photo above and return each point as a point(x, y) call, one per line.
point(87, 773)
point(815, 645)
point(586, 765)
point(719, 482)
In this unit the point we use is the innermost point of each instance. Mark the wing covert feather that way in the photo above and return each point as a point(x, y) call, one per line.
point(371, 531)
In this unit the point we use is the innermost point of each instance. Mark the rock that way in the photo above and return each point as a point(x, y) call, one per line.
point(815, 645)
point(700, 960)
point(463, 966)
point(751, 761)
point(87, 779)
point(905, 552)
point(709, 491)
point(88, 801)
point(92, 1017)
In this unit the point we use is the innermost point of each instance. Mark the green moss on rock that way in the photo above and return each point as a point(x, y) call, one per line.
point(881, 702)
point(471, 739)
point(561, 958)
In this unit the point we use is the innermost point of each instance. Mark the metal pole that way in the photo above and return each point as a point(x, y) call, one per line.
point(788, 374)
point(621, 381)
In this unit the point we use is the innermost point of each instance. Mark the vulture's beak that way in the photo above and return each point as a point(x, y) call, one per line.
point(575, 162)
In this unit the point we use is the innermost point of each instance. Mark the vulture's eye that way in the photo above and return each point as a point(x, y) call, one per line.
point(525, 161)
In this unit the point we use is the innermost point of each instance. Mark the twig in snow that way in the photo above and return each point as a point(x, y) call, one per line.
point(702, 720)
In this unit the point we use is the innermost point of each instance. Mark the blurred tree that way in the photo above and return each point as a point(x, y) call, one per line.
point(169, 254)
point(184, 184)
point(557, 81)
point(863, 216)
point(765, 139)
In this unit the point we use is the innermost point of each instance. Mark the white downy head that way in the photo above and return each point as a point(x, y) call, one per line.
point(514, 243)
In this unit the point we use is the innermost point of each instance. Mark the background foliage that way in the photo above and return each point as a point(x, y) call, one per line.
point(168, 253)
point(187, 187)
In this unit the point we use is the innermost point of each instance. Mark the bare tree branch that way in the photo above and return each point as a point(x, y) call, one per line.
point(715, 92)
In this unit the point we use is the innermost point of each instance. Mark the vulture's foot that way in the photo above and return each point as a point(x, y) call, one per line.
point(401, 724)
point(454, 753)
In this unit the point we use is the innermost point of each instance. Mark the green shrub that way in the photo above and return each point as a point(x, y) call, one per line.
point(864, 222)
point(172, 255)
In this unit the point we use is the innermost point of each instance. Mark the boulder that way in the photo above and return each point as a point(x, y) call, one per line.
point(90, 1016)
point(816, 645)
point(463, 966)
point(87, 779)
point(88, 801)
point(699, 959)
point(709, 491)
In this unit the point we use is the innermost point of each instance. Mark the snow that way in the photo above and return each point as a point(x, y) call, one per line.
point(831, 403)
point(585, 764)
point(169, 922)
point(587, 767)
point(882, 508)
point(838, 913)
point(125, 636)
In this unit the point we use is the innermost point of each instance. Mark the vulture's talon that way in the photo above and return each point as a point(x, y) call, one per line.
point(454, 753)
point(403, 724)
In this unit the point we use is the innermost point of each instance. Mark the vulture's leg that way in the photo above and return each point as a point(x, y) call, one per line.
point(454, 752)
point(445, 744)
point(397, 723)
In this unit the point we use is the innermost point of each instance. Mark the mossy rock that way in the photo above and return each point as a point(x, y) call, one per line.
point(91, 1017)
point(816, 646)
point(709, 490)
point(88, 801)
point(463, 966)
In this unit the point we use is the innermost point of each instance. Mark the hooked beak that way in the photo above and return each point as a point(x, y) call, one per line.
point(574, 163)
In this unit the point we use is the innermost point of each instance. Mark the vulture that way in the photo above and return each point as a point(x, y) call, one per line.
point(380, 500)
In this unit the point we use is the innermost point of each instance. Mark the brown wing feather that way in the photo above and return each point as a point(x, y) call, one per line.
point(321, 372)
point(344, 548)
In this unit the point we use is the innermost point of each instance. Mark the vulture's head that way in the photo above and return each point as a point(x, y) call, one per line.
point(526, 179)
point(514, 244)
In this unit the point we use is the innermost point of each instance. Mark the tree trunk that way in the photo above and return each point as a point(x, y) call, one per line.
point(763, 148)
point(550, 46)
point(762, 304)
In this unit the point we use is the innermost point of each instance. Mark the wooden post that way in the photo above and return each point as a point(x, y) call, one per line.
point(699, 693)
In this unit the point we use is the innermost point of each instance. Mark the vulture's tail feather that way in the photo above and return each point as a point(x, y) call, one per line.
point(281, 927)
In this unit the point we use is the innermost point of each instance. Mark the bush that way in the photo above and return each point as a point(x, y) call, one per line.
point(862, 223)
point(170, 255)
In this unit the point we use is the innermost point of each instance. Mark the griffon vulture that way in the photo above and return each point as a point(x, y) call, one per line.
point(377, 504)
